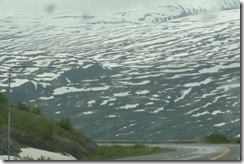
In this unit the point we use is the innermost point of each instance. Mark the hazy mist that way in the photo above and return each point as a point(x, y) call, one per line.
point(101, 7)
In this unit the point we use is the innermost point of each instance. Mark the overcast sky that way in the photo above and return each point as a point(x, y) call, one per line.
point(12, 7)
point(101, 7)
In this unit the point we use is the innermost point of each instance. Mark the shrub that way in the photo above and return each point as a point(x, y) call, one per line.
point(139, 146)
point(216, 138)
point(236, 140)
point(24, 107)
point(3, 99)
point(28, 158)
point(65, 123)
point(44, 158)
point(29, 108)
point(36, 110)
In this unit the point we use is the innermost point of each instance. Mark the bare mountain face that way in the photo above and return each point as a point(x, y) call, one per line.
point(172, 72)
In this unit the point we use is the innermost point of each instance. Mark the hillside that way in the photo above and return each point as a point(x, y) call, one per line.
point(168, 72)
point(37, 131)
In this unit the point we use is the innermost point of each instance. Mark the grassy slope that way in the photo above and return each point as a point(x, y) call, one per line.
point(40, 132)
point(117, 151)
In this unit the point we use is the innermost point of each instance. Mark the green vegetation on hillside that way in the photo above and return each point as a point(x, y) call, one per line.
point(217, 138)
point(65, 123)
point(31, 129)
point(28, 108)
point(3, 99)
point(117, 151)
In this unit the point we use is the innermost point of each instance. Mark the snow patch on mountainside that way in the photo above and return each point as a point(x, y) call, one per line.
point(174, 60)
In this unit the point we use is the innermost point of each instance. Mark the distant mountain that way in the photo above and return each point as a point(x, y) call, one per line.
point(163, 13)
point(171, 72)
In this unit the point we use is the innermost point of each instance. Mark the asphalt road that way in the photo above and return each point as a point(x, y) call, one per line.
point(200, 152)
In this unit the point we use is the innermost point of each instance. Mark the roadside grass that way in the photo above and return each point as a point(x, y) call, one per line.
point(118, 151)
point(28, 158)
point(218, 138)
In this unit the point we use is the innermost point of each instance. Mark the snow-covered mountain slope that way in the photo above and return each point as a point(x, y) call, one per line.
point(166, 11)
point(175, 79)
